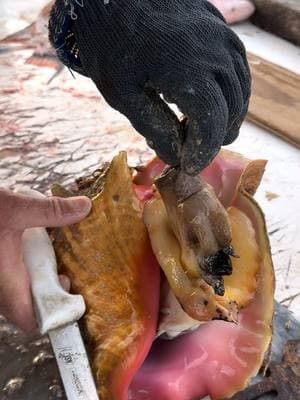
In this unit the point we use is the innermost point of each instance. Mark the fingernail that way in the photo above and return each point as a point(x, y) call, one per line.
point(81, 205)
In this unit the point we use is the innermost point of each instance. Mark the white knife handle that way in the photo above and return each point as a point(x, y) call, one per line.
point(54, 306)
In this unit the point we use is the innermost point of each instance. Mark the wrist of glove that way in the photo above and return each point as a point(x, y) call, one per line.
point(137, 52)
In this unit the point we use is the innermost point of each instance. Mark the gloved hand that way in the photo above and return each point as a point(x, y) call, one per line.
point(135, 51)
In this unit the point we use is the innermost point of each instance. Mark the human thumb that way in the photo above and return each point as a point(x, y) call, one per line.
point(53, 211)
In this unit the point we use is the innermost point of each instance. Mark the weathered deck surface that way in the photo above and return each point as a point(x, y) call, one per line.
point(55, 132)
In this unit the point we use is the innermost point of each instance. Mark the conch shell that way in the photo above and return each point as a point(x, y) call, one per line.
point(110, 261)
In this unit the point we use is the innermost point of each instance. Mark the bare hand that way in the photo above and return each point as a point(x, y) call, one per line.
point(18, 212)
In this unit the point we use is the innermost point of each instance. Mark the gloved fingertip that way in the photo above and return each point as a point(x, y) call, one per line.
point(168, 151)
point(231, 137)
point(233, 133)
point(194, 165)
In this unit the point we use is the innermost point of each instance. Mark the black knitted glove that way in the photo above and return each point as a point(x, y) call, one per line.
point(137, 50)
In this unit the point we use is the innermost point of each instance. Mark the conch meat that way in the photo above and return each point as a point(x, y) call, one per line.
point(166, 256)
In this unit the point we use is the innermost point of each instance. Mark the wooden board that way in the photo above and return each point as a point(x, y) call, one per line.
point(281, 17)
point(275, 100)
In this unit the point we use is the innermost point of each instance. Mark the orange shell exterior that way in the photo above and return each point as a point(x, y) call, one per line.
point(109, 261)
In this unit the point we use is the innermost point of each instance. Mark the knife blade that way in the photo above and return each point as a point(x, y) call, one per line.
point(73, 363)
point(57, 312)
